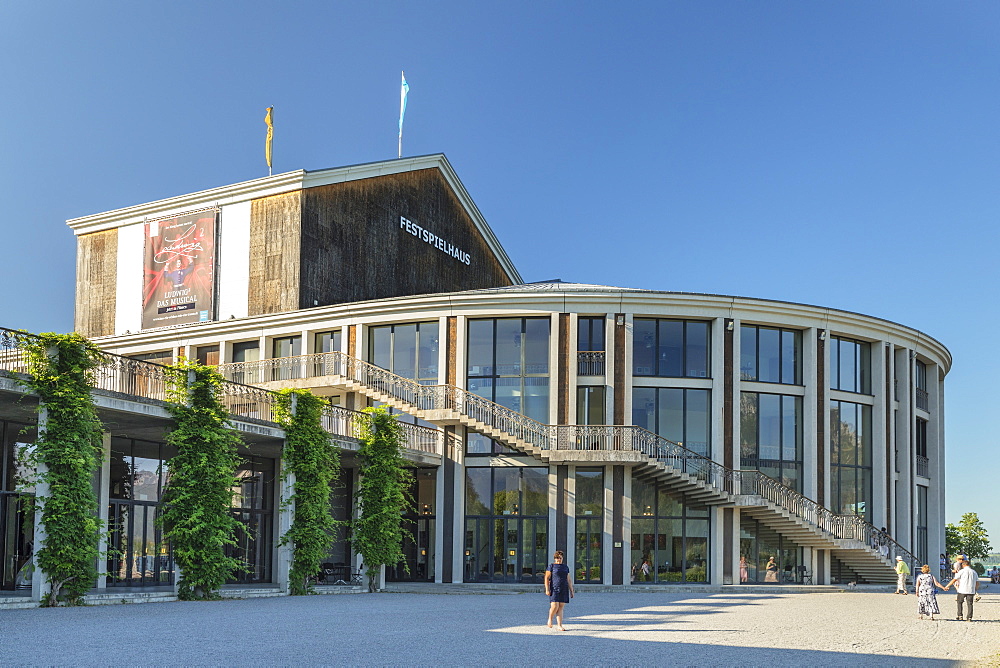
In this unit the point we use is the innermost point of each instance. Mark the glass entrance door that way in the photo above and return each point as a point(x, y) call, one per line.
point(511, 549)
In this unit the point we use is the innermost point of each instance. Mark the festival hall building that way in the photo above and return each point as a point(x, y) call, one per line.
point(657, 437)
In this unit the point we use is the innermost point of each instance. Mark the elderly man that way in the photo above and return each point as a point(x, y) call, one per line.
point(902, 570)
point(966, 583)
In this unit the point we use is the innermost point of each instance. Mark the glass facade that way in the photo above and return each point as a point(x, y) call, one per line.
point(590, 405)
point(920, 551)
point(16, 514)
point(758, 544)
point(138, 555)
point(253, 505)
point(670, 538)
point(418, 527)
point(508, 363)
point(771, 436)
point(770, 355)
point(680, 415)
point(506, 524)
point(851, 458)
point(410, 351)
point(671, 348)
point(850, 365)
point(589, 524)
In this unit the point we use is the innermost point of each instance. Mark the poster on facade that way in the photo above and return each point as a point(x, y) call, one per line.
point(178, 284)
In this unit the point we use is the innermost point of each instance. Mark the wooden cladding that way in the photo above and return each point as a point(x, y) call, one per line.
point(97, 283)
point(274, 253)
point(353, 248)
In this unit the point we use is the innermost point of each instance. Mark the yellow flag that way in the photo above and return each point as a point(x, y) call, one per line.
point(268, 118)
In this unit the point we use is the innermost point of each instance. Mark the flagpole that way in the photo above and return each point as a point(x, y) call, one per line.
point(404, 89)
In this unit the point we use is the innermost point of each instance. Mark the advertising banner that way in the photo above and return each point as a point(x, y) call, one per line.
point(178, 284)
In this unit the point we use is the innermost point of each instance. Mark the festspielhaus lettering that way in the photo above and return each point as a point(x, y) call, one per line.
point(434, 240)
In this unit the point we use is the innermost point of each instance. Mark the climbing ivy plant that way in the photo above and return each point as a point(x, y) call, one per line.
point(196, 517)
point(66, 454)
point(383, 492)
point(313, 460)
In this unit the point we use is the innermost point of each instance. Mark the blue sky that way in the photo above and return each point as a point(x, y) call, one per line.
point(844, 154)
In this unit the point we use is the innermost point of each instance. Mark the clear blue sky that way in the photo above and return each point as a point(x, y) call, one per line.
point(844, 154)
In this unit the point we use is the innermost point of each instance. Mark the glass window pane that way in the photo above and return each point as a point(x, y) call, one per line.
point(643, 499)
point(644, 408)
point(864, 368)
point(536, 399)
point(507, 491)
point(404, 350)
point(790, 428)
point(769, 445)
point(670, 349)
point(380, 346)
point(477, 491)
point(246, 351)
point(769, 358)
point(668, 505)
point(791, 343)
point(535, 491)
point(508, 347)
point(642, 553)
point(478, 444)
point(536, 345)
point(671, 414)
point(644, 347)
point(697, 420)
point(748, 426)
point(696, 551)
point(480, 347)
point(328, 342)
point(834, 347)
point(696, 362)
point(427, 355)
point(589, 491)
point(748, 353)
point(848, 366)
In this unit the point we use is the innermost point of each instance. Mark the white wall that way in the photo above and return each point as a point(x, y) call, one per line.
point(233, 275)
point(128, 293)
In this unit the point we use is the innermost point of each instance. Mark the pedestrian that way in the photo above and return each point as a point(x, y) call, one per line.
point(925, 587)
point(744, 573)
point(772, 571)
point(944, 567)
point(966, 583)
point(902, 570)
point(558, 587)
point(957, 566)
point(883, 543)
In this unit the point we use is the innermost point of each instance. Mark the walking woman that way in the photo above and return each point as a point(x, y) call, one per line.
point(925, 587)
point(558, 587)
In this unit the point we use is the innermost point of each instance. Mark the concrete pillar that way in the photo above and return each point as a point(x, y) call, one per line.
point(103, 501)
point(286, 513)
point(40, 585)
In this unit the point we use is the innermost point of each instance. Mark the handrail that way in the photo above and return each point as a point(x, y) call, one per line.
point(582, 437)
point(341, 421)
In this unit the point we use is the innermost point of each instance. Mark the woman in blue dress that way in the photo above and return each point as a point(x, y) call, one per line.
point(558, 587)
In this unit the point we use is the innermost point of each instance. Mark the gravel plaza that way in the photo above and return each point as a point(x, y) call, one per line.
point(670, 628)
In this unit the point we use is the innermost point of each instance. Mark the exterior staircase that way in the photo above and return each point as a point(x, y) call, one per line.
point(853, 541)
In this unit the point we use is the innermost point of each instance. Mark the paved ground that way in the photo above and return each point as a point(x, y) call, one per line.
point(730, 629)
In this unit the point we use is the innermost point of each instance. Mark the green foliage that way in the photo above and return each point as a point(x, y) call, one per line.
point(312, 458)
point(973, 540)
point(383, 492)
point(196, 514)
point(68, 451)
point(979, 568)
point(952, 540)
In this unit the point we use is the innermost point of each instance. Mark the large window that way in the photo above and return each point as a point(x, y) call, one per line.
point(509, 363)
point(921, 543)
point(410, 351)
point(253, 505)
point(418, 541)
point(758, 544)
point(851, 458)
point(769, 355)
point(850, 365)
point(506, 524)
point(139, 555)
point(16, 515)
point(669, 537)
point(682, 416)
point(771, 436)
point(672, 348)
point(590, 405)
point(589, 524)
point(590, 346)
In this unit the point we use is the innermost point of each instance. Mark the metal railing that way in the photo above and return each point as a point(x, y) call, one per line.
point(518, 427)
point(341, 421)
point(590, 363)
point(923, 466)
point(922, 400)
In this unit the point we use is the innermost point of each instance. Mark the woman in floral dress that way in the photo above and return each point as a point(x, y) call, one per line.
point(925, 586)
